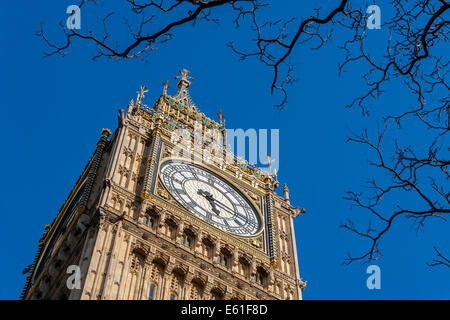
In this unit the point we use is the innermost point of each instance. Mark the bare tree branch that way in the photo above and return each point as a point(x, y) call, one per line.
point(405, 173)
point(440, 261)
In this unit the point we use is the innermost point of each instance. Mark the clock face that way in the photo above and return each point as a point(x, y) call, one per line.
point(210, 197)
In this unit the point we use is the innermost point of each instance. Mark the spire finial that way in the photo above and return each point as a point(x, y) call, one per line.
point(184, 79)
point(106, 132)
point(286, 193)
point(141, 94)
point(269, 162)
point(165, 86)
point(221, 116)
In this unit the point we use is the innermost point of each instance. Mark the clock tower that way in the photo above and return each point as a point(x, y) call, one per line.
point(164, 210)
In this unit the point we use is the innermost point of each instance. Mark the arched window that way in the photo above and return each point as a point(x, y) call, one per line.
point(171, 229)
point(216, 294)
point(260, 277)
point(149, 220)
point(278, 288)
point(151, 294)
point(187, 238)
point(196, 291)
point(156, 271)
point(207, 248)
point(244, 267)
point(224, 257)
point(188, 241)
point(137, 261)
point(176, 284)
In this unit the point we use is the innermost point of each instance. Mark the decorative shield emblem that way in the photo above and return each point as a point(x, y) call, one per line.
point(186, 134)
point(171, 126)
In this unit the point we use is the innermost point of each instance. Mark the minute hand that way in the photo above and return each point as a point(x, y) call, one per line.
point(223, 206)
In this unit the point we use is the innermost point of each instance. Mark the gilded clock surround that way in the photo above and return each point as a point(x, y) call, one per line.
point(116, 223)
point(242, 201)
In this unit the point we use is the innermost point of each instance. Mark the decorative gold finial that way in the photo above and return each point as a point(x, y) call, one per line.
point(165, 86)
point(106, 132)
point(184, 79)
point(221, 116)
point(269, 162)
point(184, 74)
point(141, 94)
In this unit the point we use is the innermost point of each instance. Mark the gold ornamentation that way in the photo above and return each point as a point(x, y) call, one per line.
point(141, 94)
point(221, 116)
point(164, 194)
point(275, 262)
point(253, 196)
point(269, 162)
point(165, 86)
point(256, 243)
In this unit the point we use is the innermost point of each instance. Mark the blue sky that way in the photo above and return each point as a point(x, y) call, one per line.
point(54, 110)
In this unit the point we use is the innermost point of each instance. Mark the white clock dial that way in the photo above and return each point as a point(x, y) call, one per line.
point(210, 197)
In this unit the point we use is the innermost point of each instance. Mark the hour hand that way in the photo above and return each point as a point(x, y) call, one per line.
point(210, 199)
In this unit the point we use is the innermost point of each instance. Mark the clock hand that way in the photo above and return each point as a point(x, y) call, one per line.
point(224, 207)
point(213, 207)
point(213, 202)
point(206, 194)
point(210, 199)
